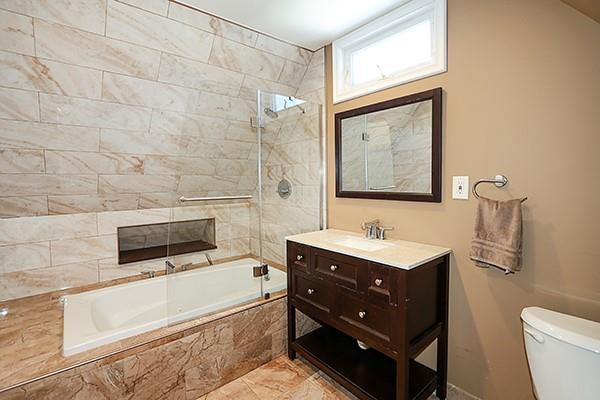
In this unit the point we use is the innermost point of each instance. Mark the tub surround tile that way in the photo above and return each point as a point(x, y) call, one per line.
point(34, 135)
point(167, 165)
point(136, 183)
point(109, 221)
point(31, 73)
point(15, 161)
point(23, 206)
point(292, 73)
point(150, 30)
point(70, 251)
point(38, 184)
point(251, 84)
point(19, 104)
point(73, 46)
point(24, 256)
point(215, 105)
point(283, 49)
point(313, 80)
point(16, 33)
point(159, 7)
point(80, 14)
point(68, 162)
point(72, 204)
point(212, 24)
point(52, 227)
point(238, 57)
point(93, 113)
point(175, 123)
point(198, 75)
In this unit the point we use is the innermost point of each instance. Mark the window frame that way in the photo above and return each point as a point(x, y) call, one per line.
point(408, 14)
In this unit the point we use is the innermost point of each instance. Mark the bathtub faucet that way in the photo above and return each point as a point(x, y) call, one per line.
point(169, 267)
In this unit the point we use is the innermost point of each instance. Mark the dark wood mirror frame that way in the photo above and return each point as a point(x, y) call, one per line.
point(435, 95)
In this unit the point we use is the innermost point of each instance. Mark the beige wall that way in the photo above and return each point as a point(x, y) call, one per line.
point(521, 98)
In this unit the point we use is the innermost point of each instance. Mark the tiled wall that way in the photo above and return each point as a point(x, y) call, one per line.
point(108, 108)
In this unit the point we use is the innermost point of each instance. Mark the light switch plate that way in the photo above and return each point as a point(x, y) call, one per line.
point(460, 187)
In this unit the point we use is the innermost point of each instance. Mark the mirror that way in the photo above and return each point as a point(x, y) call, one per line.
point(391, 150)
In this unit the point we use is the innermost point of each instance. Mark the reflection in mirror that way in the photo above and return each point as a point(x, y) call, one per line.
point(387, 150)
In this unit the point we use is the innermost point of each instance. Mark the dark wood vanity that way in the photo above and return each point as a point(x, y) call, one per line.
point(396, 312)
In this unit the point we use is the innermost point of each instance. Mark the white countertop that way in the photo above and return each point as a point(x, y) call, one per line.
point(396, 253)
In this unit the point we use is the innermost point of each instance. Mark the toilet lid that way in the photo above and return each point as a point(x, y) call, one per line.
point(576, 331)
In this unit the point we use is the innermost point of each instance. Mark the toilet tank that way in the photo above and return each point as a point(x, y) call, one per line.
point(563, 354)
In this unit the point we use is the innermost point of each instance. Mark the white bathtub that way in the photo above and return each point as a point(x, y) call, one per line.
point(102, 316)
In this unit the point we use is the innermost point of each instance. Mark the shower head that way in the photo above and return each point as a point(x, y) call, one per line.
point(270, 113)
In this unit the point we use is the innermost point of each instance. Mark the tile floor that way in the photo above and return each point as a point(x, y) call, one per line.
point(282, 379)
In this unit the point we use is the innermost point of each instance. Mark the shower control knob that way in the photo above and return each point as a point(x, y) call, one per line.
point(362, 314)
point(310, 291)
point(333, 267)
point(299, 257)
point(378, 282)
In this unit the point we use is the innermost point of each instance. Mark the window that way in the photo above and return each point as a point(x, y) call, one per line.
point(404, 45)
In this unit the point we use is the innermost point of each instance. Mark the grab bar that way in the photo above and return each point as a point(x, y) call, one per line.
point(214, 198)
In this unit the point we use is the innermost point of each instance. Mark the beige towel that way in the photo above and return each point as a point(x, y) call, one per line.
point(497, 234)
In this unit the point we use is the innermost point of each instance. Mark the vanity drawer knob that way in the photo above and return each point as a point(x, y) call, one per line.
point(378, 282)
point(362, 314)
point(310, 291)
point(333, 267)
point(299, 257)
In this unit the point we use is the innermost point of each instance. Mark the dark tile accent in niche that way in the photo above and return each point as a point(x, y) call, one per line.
point(147, 242)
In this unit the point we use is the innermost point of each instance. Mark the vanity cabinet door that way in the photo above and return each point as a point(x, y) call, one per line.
point(340, 269)
point(382, 287)
point(312, 295)
point(365, 320)
point(298, 256)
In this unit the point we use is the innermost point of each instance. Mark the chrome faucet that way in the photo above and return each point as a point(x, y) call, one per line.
point(169, 267)
point(371, 228)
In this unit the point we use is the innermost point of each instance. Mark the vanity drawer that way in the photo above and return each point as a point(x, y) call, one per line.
point(382, 286)
point(365, 319)
point(343, 270)
point(315, 294)
point(298, 256)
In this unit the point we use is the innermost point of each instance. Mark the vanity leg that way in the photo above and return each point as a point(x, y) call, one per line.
point(402, 379)
point(291, 319)
point(442, 345)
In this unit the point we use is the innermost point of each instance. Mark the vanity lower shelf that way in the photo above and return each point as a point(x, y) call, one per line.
point(367, 373)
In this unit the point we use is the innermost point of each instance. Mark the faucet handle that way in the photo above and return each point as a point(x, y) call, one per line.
point(382, 230)
point(368, 224)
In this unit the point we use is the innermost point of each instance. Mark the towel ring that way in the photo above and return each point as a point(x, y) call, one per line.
point(499, 181)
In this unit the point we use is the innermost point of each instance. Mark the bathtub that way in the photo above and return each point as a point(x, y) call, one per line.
point(102, 316)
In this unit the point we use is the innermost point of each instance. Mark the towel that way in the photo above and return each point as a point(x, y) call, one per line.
point(497, 234)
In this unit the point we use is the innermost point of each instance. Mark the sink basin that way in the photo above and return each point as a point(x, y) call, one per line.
point(360, 244)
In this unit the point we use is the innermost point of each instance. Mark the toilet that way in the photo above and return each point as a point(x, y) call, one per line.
point(563, 354)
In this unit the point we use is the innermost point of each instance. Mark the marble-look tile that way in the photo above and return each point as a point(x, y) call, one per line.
point(109, 221)
point(146, 29)
point(88, 15)
point(198, 75)
point(130, 142)
point(21, 161)
point(251, 84)
point(212, 24)
point(23, 206)
point(237, 57)
point(135, 91)
point(92, 113)
point(72, 46)
point(237, 389)
point(33, 135)
point(24, 256)
point(175, 123)
point(283, 49)
point(159, 7)
point(35, 281)
point(53, 227)
point(19, 104)
point(292, 73)
point(71, 162)
point(91, 203)
point(215, 105)
point(275, 378)
point(36, 184)
point(318, 57)
point(16, 33)
point(70, 251)
point(314, 79)
point(221, 213)
point(189, 183)
point(136, 183)
point(30, 73)
point(169, 165)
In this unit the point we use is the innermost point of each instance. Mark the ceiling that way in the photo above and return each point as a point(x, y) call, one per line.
point(307, 23)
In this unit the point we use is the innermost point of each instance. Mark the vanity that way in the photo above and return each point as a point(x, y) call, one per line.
point(391, 297)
